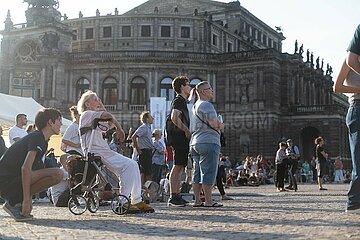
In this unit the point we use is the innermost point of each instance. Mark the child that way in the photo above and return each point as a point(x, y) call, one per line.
point(280, 161)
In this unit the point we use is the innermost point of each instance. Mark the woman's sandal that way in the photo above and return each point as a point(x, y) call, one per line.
point(198, 205)
point(214, 205)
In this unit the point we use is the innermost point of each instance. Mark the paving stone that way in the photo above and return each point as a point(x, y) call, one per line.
point(255, 213)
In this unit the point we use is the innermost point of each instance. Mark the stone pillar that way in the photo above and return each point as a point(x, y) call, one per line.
point(11, 81)
point(71, 88)
point(98, 82)
point(53, 85)
point(42, 82)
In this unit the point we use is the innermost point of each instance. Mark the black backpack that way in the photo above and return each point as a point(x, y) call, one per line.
point(169, 127)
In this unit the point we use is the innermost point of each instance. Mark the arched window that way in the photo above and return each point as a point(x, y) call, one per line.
point(194, 82)
point(138, 91)
point(110, 91)
point(82, 86)
point(166, 89)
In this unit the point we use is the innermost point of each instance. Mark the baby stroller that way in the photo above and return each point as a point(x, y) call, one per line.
point(86, 179)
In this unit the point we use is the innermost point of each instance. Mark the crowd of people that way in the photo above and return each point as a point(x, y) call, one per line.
point(192, 146)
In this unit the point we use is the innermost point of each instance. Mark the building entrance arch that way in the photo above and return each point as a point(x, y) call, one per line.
point(308, 135)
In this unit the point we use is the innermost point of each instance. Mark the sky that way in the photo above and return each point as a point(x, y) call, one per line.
point(325, 27)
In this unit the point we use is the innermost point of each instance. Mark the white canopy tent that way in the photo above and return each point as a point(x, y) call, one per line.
point(13, 105)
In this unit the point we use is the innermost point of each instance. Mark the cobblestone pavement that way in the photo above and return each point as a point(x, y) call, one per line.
point(256, 213)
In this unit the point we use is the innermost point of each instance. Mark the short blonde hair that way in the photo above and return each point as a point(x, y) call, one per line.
point(84, 98)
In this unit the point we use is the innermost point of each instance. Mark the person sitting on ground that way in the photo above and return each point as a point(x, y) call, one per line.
point(91, 108)
point(242, 179)
point(253, 180)
point(21, 168)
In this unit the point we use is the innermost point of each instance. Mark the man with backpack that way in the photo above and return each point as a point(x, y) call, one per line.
point(178, 137)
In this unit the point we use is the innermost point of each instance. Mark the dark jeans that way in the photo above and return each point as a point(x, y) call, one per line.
point(292, 167)
point(280, 174)
point(156, 173)
point(219, 183)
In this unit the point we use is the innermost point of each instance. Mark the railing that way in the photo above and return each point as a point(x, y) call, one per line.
point(137, 108)
point(319, 109)
point(110, 108)
point(181, 56)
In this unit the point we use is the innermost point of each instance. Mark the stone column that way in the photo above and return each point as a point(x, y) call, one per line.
point(42, 82)
point(11, 81)
point(53, 85)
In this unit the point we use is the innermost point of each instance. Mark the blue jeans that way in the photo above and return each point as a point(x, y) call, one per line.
point(206, 157)
point(353, 124)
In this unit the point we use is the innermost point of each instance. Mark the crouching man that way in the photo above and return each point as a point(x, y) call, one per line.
point(21, 168)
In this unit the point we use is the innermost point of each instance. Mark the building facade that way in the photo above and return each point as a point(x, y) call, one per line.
point(265, 95)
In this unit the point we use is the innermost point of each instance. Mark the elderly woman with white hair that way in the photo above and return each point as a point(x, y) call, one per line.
point(158, 158)
point(90, 107)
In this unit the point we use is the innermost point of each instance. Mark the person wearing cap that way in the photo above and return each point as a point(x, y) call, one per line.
point(293, 154)
point(158, 159)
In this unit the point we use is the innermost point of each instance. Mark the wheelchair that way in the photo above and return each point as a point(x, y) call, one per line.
point(87, 179)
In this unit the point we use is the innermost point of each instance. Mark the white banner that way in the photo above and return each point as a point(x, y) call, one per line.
point(158, 111)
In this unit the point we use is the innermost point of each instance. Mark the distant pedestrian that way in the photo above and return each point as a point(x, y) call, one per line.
point(142, 140)
point(158, 159)
point(293, 154)
point(17, 131)
point(339, 172)
point(280, 162)
point(321, 158)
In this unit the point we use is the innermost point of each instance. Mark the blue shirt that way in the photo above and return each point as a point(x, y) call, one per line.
point(159, 154)
point(144, 136)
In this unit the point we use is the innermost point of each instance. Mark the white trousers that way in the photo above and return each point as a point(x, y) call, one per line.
point(128, 172)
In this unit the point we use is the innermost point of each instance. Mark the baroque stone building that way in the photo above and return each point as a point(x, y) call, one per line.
point(265, 95)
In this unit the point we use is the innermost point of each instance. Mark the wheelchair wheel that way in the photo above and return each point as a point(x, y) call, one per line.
point(120, 204)
point(93, 203)
point(77, 205)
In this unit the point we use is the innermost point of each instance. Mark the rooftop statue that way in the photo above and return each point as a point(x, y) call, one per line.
point(43, 3)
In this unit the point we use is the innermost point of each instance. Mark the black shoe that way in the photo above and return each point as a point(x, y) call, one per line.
point(176, 202)
point(183, 200)
point(289, 188)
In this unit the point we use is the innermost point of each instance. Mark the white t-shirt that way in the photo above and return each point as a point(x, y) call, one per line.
point(99, 145)
point(16, 132)
point(72, 135)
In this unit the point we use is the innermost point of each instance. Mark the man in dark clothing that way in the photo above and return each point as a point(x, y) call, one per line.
point(21, 168)
point(180, 137)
